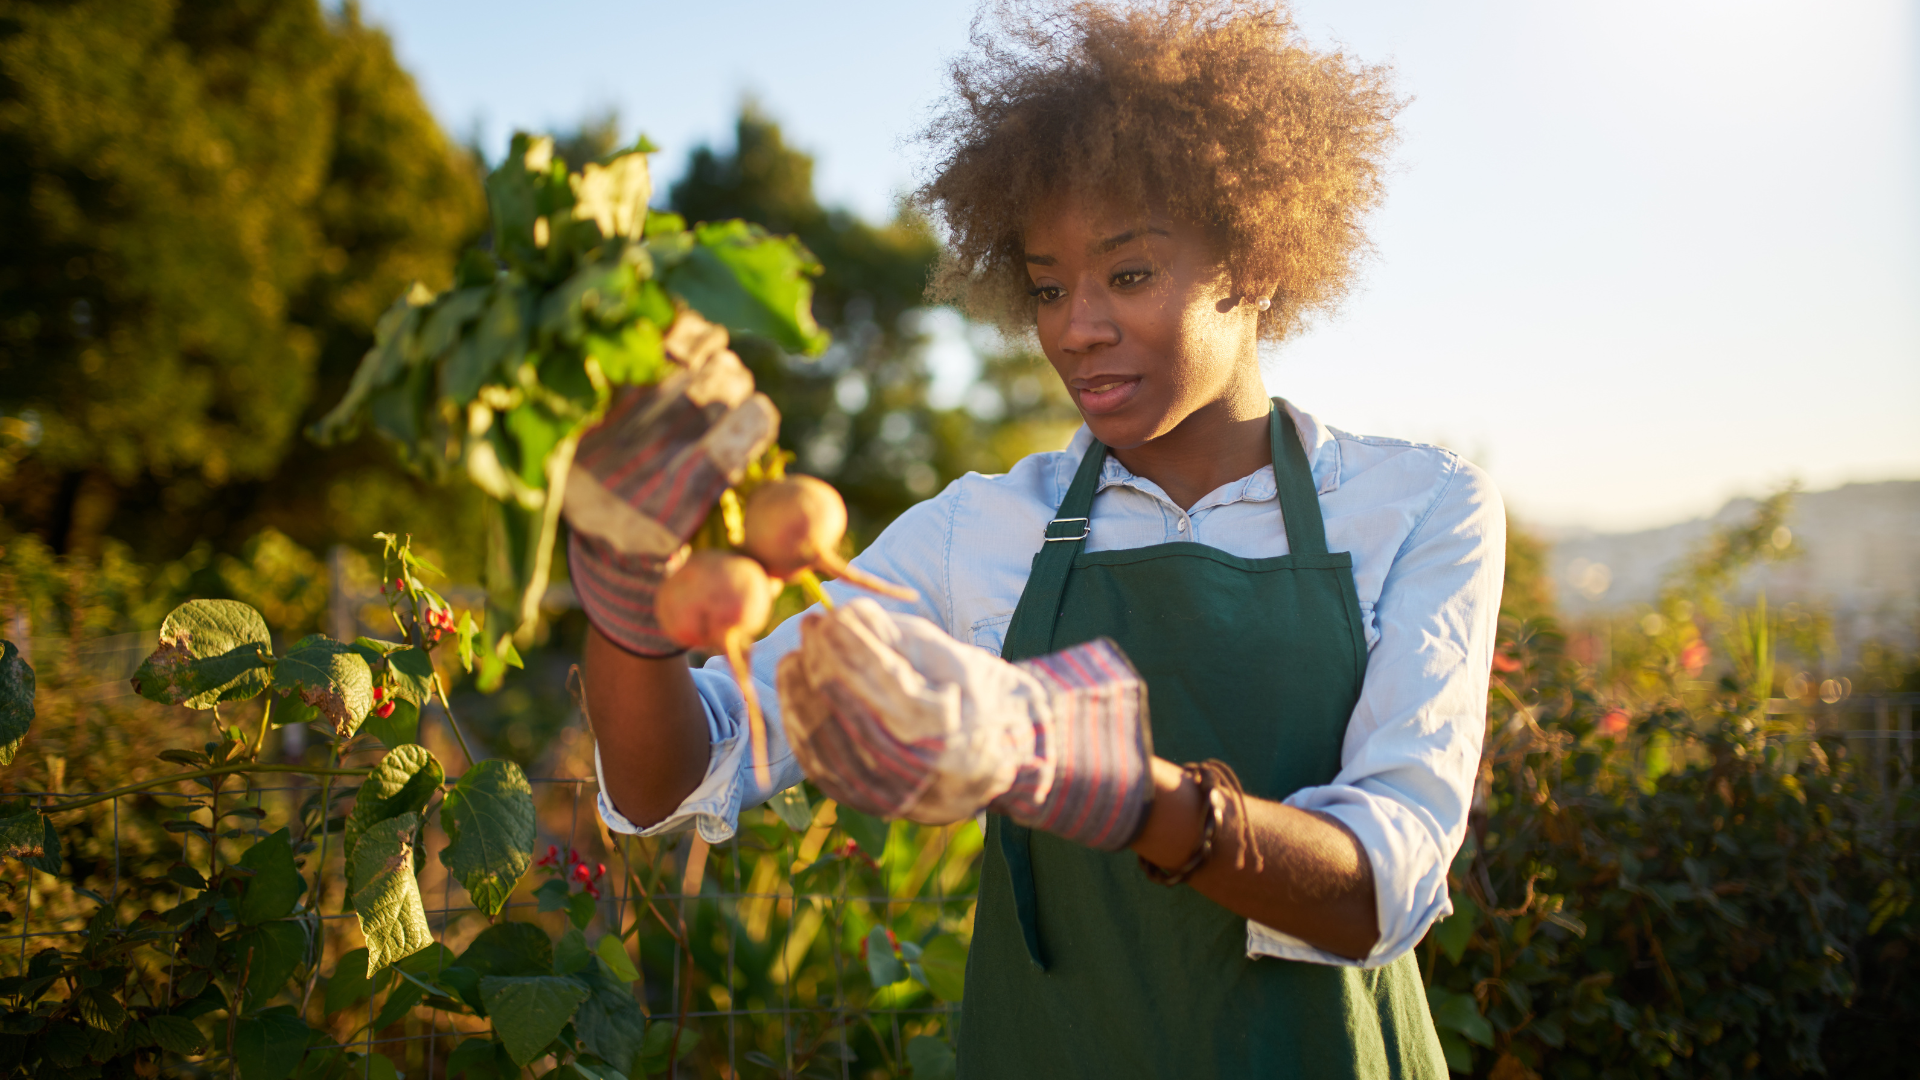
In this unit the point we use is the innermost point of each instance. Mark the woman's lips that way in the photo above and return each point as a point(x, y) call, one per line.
point(1105, 394)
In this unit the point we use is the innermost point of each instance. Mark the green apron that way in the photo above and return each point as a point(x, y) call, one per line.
point(1080, 966)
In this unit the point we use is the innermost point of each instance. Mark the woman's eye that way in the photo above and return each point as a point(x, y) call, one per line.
point(1046, 294)
point(1129, 278)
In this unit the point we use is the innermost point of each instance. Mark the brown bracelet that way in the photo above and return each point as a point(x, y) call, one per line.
point(1213, 777)
point(1208, 827)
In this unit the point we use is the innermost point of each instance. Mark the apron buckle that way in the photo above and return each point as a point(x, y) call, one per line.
point(1086, 527)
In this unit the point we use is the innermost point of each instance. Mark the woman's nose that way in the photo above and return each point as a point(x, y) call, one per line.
point(1089, 323)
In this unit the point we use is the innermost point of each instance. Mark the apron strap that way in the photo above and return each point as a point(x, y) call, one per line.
point(1299, 502)
point(1031, 634)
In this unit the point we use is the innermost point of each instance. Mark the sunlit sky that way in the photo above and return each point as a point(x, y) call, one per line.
point(1637, 257)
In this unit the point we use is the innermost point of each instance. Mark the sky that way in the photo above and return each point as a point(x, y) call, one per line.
point(1636, 257)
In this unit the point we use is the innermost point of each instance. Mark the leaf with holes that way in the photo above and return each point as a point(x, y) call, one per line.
point(210, 651)
point(21, 831)
point(386, 895)
point(489, 821)
point(16, 700)
point(276, 885)
point(402, 783)
point(328, 676)
point(529, 1011)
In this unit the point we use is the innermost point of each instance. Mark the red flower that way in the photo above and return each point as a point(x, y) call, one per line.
point(385, 710)
point(599, 871)
point(551, 858)
point(1695, 656)
point(1614, 724)
point(582, 872)
point(399, 584)
point(593, 890)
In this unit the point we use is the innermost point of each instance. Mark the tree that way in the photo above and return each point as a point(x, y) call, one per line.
point(207, 206)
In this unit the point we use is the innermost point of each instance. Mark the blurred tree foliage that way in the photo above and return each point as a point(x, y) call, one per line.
point(206, 208)
point(860, 415)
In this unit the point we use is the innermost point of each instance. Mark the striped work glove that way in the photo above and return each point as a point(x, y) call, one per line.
point(645, 478)
point(893, 717)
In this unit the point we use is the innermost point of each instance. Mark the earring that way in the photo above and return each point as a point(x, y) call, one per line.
point(1264, 303)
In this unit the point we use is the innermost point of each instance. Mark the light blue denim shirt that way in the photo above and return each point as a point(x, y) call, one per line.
point(1428, 536)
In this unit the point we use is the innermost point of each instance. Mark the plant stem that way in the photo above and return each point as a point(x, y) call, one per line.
point(266, 711)
point(320, 864)
point(218, 770)
point(441, 689)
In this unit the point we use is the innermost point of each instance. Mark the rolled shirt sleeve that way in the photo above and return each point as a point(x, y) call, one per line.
point(1412, 747)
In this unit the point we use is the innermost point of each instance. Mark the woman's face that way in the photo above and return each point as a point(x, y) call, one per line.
point(1138, 318)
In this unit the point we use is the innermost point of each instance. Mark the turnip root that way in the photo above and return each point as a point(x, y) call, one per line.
point(720, 602)
point(795, 526)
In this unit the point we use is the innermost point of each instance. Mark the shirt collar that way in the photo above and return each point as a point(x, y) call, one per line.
point(1323, 461)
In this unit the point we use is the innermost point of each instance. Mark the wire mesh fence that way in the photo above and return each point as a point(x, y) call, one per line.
point(807, 945)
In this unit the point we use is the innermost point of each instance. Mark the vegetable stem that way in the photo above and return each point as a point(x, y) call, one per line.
point(756, 720)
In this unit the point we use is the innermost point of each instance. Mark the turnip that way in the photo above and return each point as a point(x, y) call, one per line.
point(719, 602)
point(795, 526)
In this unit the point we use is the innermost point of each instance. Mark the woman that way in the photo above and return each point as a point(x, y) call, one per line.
point(1233, 761)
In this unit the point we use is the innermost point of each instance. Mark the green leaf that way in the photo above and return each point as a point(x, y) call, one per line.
point(570, 953)
point(790, 806)
point(752, 282)
point(329, 676)
point(393, 338)
point(489, 819)
point(536, 431)
point(177, 1034)
point(510, 948)
point(348, 985)
point(1453, 932)
point(16, 700)
point(372, 1067)
point(398, 728)
point(399, 1003)
point(580, 909)
point(610, 1022)
point(883, 967)
point(268, 1046)
point(632, 356)
point(276, 885)
point(866, 830)
point(402, 783)
point(269, 954)
point(613, 952)
point(410, 674)
point(553, 895)
point(481, 1059)
point(1458, 1013)
point(448, 314)
point(1459, 1055)
point(483, 355)
point(943, 963)
point(931, 1058)
point(529, 1011)
point(210, 651)
point(386, 895)
point(653, 1049)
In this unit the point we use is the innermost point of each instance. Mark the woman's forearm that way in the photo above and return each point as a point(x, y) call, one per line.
point(1315, 882)
point(651, 728)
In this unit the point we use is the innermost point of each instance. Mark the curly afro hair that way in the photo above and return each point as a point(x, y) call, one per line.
point(1217, 113)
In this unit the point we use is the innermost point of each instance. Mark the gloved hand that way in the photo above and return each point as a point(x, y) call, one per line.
point(893, 717)
point(645, 478)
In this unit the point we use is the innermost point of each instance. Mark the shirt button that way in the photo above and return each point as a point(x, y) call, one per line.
point(1183, 524)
